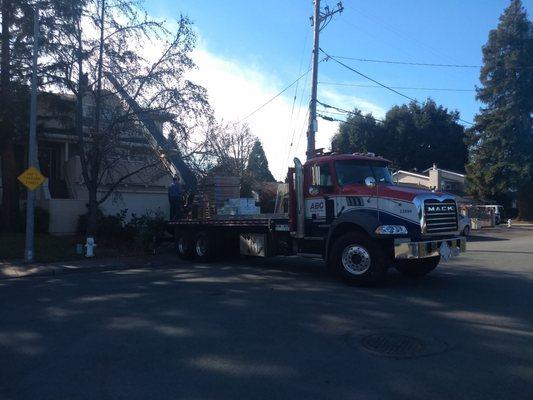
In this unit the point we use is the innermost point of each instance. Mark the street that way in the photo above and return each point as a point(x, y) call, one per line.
point(279, 328)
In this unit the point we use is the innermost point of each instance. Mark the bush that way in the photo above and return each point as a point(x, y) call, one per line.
point(110, 228)
point(149, 228)
point(145, 230)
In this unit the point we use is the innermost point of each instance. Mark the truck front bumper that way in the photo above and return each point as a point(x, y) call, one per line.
point(406, 250)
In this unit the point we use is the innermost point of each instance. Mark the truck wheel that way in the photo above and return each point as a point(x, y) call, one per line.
point(184, 245)
point(418, 268)
point(204, 246)
point(357, 259)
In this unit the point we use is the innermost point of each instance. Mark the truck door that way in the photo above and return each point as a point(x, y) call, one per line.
point(356, 186)
point(319, 203)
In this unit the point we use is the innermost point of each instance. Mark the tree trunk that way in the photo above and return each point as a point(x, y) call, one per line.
point(10, 193)
point(92, 220)
point(10, 204)
point(525, 203)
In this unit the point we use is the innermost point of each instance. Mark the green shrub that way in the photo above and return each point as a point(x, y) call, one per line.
point(110, 228)
point(144, 230)
point(149, 228)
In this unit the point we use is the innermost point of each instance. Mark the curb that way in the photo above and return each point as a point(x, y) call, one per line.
point(20, 271)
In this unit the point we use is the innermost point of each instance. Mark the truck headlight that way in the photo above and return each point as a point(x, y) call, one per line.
point(391, 230)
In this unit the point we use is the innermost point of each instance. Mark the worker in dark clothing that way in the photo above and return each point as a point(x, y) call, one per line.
point(175, 198)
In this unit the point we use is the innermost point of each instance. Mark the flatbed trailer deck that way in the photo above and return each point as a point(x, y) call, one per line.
point(234, 220)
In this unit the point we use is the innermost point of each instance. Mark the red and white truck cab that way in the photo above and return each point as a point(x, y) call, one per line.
point(351, 203)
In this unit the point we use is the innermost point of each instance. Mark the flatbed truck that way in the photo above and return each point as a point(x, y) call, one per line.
point(345, 209)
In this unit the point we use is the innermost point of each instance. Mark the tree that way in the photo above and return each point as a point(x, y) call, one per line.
point(412, 136)
point(16, 19)
point(229, 146)
point(15, 73)
point(501, 142)
point(360, 133)
point(257, 166)
point(102, 38)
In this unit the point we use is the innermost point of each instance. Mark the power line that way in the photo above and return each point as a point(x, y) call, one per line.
point(417, 63)
point(397, 87)
point(331, 119)
point(409, 63)
point(379, 83)
point(274, 97)
point(349, 112)
point(292, 137)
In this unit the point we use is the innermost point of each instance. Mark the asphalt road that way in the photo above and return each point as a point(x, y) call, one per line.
point(274, 329)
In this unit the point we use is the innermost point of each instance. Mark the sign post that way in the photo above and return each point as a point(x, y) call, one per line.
point(32, 146)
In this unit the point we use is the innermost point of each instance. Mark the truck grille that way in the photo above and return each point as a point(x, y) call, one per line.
point(440, 216)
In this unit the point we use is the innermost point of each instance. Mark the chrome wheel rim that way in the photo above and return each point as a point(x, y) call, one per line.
point(201, 246)
point(355, 259)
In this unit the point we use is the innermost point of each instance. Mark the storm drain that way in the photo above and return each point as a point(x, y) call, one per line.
point(391, 344)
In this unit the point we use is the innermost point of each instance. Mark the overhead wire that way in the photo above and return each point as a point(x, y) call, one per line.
point(343, 111)
point(398, 32)
point(274, 97)
point(397, 87)
point(422, 64)
point(294, 101)
point(379, 83)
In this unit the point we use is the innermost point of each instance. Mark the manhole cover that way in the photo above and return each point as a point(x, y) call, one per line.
point(395, 345)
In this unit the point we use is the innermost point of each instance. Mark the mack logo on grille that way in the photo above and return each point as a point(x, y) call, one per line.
point(440, 216)
point(441, 208)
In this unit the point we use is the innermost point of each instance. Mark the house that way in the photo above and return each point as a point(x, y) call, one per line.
point(63, 194)
point(432, 178)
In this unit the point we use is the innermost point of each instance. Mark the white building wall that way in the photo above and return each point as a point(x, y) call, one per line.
point(136, 202)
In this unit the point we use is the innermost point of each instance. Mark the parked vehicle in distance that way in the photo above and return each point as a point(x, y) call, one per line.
point(499, 212)
point(464, 225)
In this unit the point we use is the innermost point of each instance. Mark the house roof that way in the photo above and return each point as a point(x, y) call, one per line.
point(447, 171)
point(411, 174)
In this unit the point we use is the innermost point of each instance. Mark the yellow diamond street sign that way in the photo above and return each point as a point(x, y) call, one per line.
point(31, 178)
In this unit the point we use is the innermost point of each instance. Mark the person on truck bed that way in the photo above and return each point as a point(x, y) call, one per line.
point(174, 198)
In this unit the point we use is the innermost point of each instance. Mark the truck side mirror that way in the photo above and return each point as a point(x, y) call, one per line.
point(370, 182)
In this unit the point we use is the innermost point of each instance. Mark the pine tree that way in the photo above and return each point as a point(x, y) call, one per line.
point(257, 168)
point(501, 142)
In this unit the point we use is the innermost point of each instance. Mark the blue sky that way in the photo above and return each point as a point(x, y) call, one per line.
point(268, 43)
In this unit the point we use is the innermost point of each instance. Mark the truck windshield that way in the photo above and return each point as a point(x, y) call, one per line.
point(354, 172)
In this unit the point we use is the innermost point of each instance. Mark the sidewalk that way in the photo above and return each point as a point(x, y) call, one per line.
point(20, 269)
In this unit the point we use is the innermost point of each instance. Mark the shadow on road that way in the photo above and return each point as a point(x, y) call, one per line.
point(483, 238)
point(277, 329)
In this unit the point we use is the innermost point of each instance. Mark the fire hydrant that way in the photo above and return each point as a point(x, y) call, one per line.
point(509, 223)
point(89, 247)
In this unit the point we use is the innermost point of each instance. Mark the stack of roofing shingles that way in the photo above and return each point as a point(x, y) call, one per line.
point(216, 190)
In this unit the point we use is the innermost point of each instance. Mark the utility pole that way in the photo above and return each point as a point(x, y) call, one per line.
point(32, 146)
point(320, 20)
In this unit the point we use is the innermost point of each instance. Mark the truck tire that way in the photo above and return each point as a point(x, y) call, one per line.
point(204, 246)
point(357, 259)
point(184, 245)
point(418, 268)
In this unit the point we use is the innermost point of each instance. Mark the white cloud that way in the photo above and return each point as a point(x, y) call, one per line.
point(236, 89)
